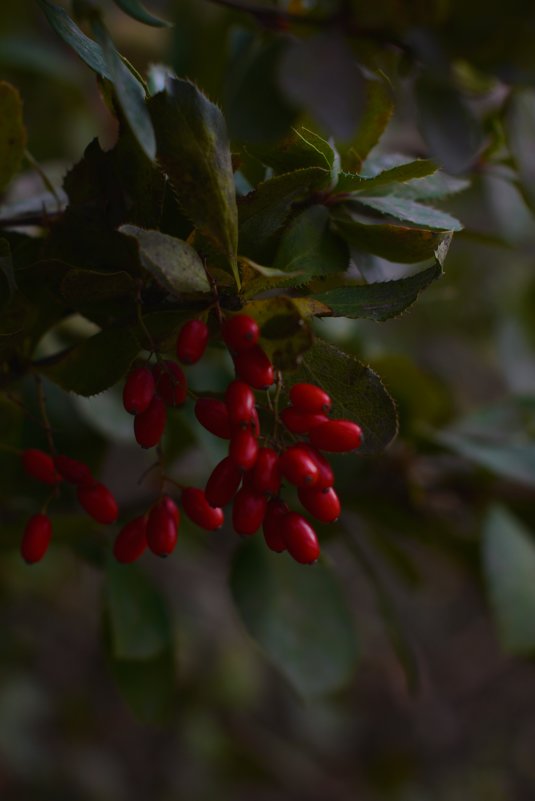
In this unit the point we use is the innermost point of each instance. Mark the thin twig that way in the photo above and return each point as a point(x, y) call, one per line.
point(44, 416)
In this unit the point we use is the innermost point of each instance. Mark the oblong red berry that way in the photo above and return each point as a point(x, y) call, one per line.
point(324, 504)
point(223, 483)
point(150, 424)
point(310, 398)
point(192, 341)
point(40, 465)
point(36, 538)
point(243, 448)
point(171, 382)
point(326, 473)
point(162, 528)
point(265, 475)
point(131, 541)
point(254, 367)
point(255, 423)
point(337, 436)
point(169, 504)
point(199, 510)
point(248, 511)
point(300, 537)
point(301, 422)
point(212, 414)
point(297, 465)
point(240, 332)
point(240, 401)
point(138, 390)
point(72, 470)
point(98, 502)
point(276, 510)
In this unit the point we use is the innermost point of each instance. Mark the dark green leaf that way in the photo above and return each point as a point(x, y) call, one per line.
point(514, 461)
point(80, 287)
point(88, 50)
point(410, 211)
point(509, 564)
point(377, 110)
point(6, 270)
point(257, 279)
point(356, 391)
point(298, 616)
point(350, 182)
point(137, 11)
point(148, 687)
point(284, 331)
point(434, 187)
point(303, 148)
point(174, 263)
point(12, 133)
point(309, 245)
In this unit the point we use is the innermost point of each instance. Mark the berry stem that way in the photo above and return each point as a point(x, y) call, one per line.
point(41, 400)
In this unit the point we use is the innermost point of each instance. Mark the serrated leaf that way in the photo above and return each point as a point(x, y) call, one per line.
point(509, 565)
point(351, 182)
point(256, 278)
point(378, 107)
point(357, 392)
point(174, 263)
point(310, 246)
point(193, 149)
point(434, 187)
point(298, 616)
point(137, 11)
point(89, 51)
point(303, 148)
point(410, 211)
point(12, 132)
point(283, 328)
point(379, 301)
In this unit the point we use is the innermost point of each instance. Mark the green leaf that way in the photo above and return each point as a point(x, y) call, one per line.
point(137, 11)
point(514, 461)
point(356, 391)
point(12, 133)
point(174, 263)
point(193, 149)
point(520, 130)
point(377, 110)
point(284, 331)
point(265, 212)
point(303, 148)
point(310, 246)
point(434, 187)
point(149, 687)
point(379, 301)
point(350, 182)
point(80, 287)
point(410, 211)
point(509, 565)
point(256, 278)
point(298, 616)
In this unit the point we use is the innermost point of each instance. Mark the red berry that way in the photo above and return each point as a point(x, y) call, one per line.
point(36, 538)
point(301, 422)
point(254, 367)
point(223, 483)
point(300, 538)
point(212, 414)
point(255, 423)
point(192, 341)
point(336, 436)
point(162, 527)
point(138, 390)
point(326, 474)
point(131, 541)
point(240, 401)
point(150, 424)
point(298, 466)
point(98, 502)
point(265, 474)
point(248, 511)
point(199, 510)
point(276, 510)
point(243, 449)
point(72, 470)
point(240, 333)
point(310, 398)
point(324, 504)
point(40, 465)
point(171, 383)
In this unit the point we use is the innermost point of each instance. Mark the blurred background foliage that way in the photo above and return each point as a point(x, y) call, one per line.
point(435, 551)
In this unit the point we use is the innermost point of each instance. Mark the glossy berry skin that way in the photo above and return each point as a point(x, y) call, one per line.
point(212, 414)
point(265, 475)
point(254, 367)
point(298, 467)
point(310, 398)
point(243, 449)
point(168, 503)
point(323, 504)
point(240, 401)
point(300, 537)
point(255, 424)
point(223, 483)
point(337, 436)
point(171, 383)
point(301, 422)
point(131, 541)
point(138, 390)
point(326, 473)
point(240, 333)
point(150, 424)
point(199, 510)
point(36, 538)
point(276, 510)
point(248, 511)
point(98, 502)
point(72, 470)
point(162, 527)
point(192, 341)
point(40, 465)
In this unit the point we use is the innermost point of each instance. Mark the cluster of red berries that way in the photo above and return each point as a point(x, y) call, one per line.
point(251, 476)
